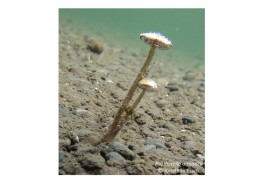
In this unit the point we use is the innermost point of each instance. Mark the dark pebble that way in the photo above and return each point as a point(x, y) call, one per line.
point(123, 150)
point(169, 126)
point(168, 145)
point(172, 87)
point(140, 119)
point(188, 119)
point(73, 147)
point(104, 150)
point(131, 147)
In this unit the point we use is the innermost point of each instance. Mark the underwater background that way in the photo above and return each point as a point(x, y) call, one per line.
point(122, 27)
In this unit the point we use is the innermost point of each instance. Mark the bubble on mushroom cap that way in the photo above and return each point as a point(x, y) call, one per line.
point(148, 84)
point(156, 39)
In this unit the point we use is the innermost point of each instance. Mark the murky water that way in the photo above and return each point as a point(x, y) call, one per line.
point(184, 27)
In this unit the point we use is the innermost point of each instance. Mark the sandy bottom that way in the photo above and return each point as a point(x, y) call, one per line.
point(166, 133)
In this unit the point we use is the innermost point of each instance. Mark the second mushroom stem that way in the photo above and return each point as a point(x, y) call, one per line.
point(131, 109)
point(119, 119)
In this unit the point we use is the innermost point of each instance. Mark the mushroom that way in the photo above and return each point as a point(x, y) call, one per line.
point(148, 85)
point(155, 40)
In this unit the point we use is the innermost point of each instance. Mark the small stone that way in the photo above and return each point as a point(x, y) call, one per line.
point(84, 134)
point(92, 162)
point(81, 112)
point(95, 46)
point(188, 119)
point(149, 147)
point(167, 144)
point(93, 139)
point(161, 103)
point(169, 126)
point(116, 156)
point(189, 76)
point(189, 144)
point(151, 141)
point(73, 147)
point(108, 80)
point(104, 150)
point(172, 87)
point(123, 150)
point(61, 155)
point(131, 147)
point(73, 137)
point(201, 89)
point(140, 119)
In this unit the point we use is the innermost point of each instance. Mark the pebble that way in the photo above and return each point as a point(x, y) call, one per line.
point(104, 150)
point(116, 156)
point(169, 126)
point(123, 150)
point(109, 80)
point(93, 139)
point(188, 119)
point(61, 155)
point(189, 144)
point(201, 89)
point(172, 87)
point(63, 111)
point(140, 119)
point(81, 112)
point(92, 162)
point(189, 76)
point(168, 145)
point(151, 141)
point(95, 46)
point(161, 103)
point(73, 137)
point(149, 147)
point(84, 133)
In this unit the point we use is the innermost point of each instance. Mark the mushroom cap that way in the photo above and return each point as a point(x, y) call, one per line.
point(148, 84)
point(156, 39)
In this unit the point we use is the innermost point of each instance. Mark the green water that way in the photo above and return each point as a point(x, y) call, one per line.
point(184, 27)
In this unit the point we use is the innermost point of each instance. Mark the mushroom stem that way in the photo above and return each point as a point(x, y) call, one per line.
point(131, 110)
point(116, 126)
point(137, 101)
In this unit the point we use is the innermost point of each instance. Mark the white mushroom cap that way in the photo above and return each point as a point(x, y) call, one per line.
point(156, 39)
point(148, 84)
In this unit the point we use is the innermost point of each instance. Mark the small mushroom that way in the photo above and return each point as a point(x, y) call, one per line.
point(148, 85)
